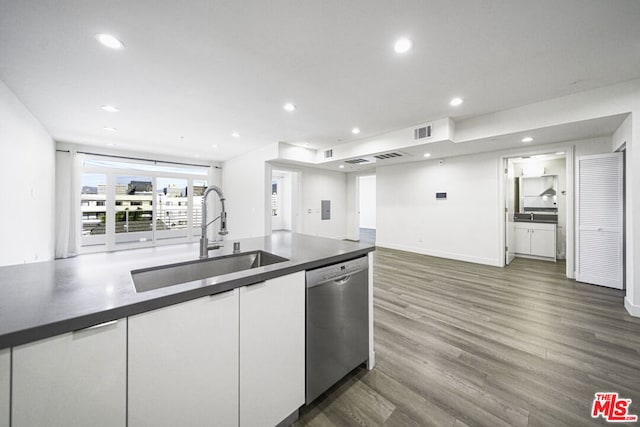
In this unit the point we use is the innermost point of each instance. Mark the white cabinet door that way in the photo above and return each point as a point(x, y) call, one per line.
point(74, 379)
point(5, 381)
point(183, 364)
point(272, 358)
point(543, 242)
point(522, 240)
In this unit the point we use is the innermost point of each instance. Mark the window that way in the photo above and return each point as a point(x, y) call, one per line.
point(126, 204)
point(93, 198)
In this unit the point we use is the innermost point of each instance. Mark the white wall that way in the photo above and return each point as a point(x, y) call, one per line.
point(622, 138)
point(246, 182)
point(465, 226)
point(367, 201)
point(318, 185)
point(353, 205)
point(27, 170)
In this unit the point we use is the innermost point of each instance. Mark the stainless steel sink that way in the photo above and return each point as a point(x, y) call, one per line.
point(147, 279)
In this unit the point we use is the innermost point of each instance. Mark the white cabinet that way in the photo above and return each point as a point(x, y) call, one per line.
point(535, 239)
point(522, 239)
point(543, 242)
point(272, 350)
point(74, 379)
point(183, 364)
point(5, 381)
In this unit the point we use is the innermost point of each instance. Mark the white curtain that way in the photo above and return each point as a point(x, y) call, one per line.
point(68, 181)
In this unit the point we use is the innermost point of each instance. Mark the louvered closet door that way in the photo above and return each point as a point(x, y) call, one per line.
point(599, 214)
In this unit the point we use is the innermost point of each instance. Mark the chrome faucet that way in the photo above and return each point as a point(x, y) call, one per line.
point(204, 241)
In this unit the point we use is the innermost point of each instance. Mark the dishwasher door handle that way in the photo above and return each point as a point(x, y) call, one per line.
point(340, 280)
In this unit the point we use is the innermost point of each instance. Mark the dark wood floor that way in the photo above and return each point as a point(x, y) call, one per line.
point(464, 344)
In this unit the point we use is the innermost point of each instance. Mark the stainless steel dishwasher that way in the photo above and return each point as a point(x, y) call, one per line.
point(337, 323)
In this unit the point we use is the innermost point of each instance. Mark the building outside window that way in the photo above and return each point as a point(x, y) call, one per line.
point(126, 204)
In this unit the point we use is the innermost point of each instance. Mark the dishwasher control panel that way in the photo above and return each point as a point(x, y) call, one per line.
point(336, 271)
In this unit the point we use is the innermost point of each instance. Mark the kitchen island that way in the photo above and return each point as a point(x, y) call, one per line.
point(78, 326)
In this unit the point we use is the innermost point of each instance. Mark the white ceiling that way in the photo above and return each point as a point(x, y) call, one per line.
point(193, 72)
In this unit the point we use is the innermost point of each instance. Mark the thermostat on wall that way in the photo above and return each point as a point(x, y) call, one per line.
point(441, 196)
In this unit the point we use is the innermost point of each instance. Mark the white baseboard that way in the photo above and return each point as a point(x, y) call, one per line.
point(633, 310)
point(441, 254)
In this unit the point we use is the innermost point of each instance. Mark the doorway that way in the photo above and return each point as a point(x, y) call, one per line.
point(536, 207)
point(284, 200)
point(367, 208)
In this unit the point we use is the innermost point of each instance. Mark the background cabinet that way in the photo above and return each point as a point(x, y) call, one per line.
point(183, 364)
point(272, 358)
point(74, 379)
point(5, 372)
point(535, 239)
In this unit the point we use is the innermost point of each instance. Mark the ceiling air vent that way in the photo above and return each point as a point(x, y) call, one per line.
point(356, 161)
point(423, 132)
point(389, 155)
point(328, 154)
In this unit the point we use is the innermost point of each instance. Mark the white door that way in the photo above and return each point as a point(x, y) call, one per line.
point(510, 210)
point(599, 217)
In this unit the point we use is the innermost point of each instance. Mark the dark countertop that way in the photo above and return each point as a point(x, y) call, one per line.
point(40, 300)
point(539, 221)
point(543, 218)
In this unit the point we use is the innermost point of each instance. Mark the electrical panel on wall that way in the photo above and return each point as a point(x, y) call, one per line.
point(325, 209)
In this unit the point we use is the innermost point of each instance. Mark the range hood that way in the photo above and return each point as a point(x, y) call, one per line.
point(548, 192)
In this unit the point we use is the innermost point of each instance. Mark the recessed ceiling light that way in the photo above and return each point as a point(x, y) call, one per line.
point(426, 155)
point(456, 101)
point(341, 166)
point(355, 131)
point(110, 108)
point(403, 45)
point(235, 135)
point(289, 107)
point(527, 139)
point(110, 129)
point(560, 152)
point(109, 41)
